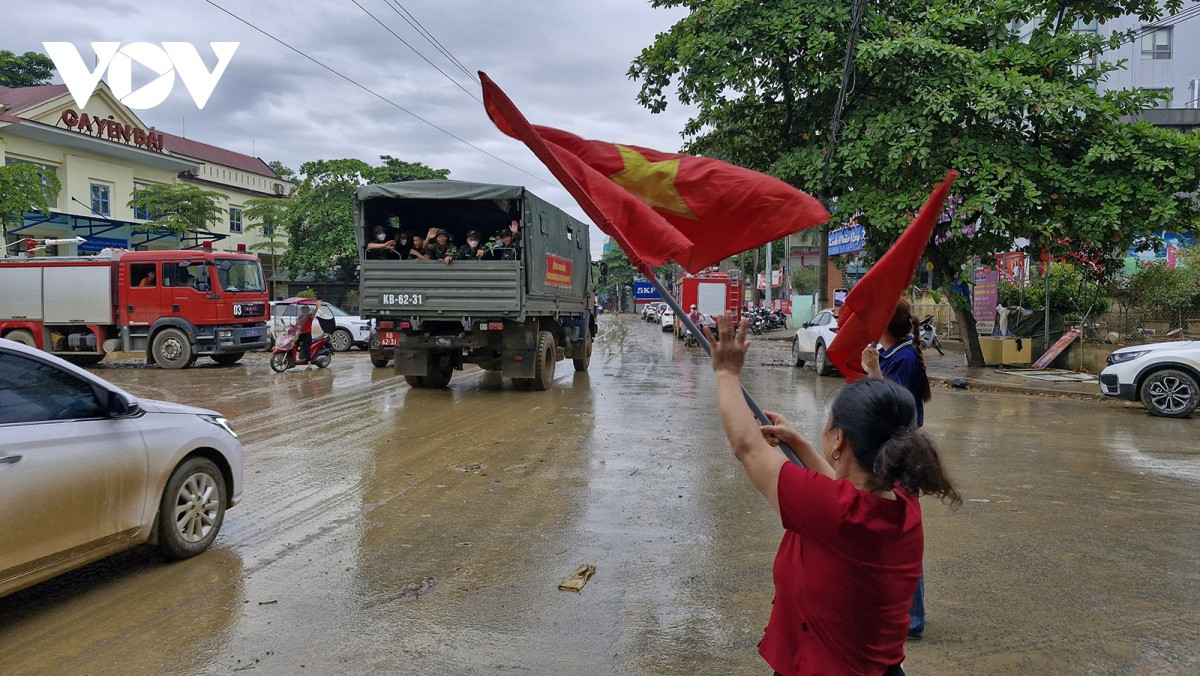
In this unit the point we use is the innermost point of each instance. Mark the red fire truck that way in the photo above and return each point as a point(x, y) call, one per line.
point(173, 305)
point(713, 293)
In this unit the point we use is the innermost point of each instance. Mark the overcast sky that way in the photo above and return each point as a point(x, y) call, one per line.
point(563, 62)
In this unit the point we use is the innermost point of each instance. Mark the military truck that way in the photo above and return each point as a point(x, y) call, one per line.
point(516, 317)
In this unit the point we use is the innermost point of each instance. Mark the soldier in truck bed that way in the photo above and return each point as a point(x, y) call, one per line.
point(504, 248)
point(473, 250)
point(440, 249)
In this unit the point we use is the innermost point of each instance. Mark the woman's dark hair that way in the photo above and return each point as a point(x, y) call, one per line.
point(902, 325)
point(878, 418)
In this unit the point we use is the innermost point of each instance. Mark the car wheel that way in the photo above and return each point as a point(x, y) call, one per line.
point(543, 370)
point(1170, 393)
point(821, 363)
point(796, 360)
point(281, 361)
point(380, 362)
point(172, 349)
point(192, 509)
point(581, 363)
point(21, 336)
point(341, 340)
point(226, 359)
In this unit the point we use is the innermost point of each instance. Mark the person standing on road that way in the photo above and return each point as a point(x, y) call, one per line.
point(901, 361)
point(853, 541)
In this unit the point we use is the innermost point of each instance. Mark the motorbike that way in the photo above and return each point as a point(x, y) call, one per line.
point(287, 350)
point(690, 340)
point(929, 336)
point(762, 320)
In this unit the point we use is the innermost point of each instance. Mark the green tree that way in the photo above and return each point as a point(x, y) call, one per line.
point(27, 70)
point(268, 214)
point(281, 170)
point(985, 87)
point(320, 215)
point(177, 207)
point(24, 188)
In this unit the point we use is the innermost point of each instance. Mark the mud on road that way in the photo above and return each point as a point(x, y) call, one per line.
point(391, 530)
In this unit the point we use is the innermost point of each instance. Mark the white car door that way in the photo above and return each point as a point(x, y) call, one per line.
point(72, 479)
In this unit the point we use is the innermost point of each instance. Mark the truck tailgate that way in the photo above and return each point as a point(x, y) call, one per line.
point(435, 289)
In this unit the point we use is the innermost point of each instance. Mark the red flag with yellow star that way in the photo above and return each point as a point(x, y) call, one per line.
point(662, 206)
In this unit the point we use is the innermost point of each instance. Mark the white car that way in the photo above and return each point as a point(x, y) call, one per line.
point(351, 331)
point(87, 470)
point(1163, 376)
point(650, 311)
point(667, 319)
point(811, 341)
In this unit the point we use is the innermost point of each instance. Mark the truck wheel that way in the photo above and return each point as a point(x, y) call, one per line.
point(581, 363)
point(543, 370)
point(380, 362)
point(172, 349)
point(228, 358)
point(438, 378)
point(341, 340)
point(415, 381)
point(21, 336)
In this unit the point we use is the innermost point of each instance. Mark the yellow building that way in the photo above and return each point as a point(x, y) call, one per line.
point(103, 154)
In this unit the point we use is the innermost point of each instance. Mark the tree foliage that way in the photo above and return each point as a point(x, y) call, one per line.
point(268, 214)
point(25, 187)
point(177, 207)
point(981, 86)
point(26, 70)
point(320, 213)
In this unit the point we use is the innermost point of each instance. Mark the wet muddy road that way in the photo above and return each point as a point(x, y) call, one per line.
point(390, 530)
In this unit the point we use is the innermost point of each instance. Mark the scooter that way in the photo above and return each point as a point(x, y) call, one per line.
point(691, 340)
point(929, 336)
point(287, 351)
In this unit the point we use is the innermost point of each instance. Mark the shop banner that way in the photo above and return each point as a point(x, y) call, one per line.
point(645, 291)
point(776, 279)
point(987, 296)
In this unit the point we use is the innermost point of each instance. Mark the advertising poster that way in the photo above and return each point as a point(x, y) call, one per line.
point(987, 296)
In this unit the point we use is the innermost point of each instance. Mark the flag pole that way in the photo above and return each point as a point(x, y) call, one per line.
point(691, 326)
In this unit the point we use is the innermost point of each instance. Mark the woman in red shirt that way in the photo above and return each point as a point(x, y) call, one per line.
point(851, 552)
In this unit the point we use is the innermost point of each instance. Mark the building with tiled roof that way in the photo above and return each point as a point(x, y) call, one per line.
point(103, 153)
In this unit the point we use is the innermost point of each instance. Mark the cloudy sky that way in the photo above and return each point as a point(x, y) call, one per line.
point(563, 62)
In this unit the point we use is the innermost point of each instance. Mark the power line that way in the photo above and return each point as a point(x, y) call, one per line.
point(416, 25)
point(414, 51)
point(1176, 19)
point(379, 96)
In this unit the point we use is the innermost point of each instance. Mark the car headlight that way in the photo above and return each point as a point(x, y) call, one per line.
point(222, 422)
point(1117, 358)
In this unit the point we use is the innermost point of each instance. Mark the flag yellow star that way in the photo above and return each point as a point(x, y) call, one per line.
point(651, 182)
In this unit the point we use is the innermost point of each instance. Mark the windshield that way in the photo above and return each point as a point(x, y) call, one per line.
point(237, 275)
point(337, 311)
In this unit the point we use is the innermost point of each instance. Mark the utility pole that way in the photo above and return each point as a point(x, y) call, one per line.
point(847, 66)
point(770, 275)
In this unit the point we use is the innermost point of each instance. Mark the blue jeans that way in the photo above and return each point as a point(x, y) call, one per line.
point(916, 615)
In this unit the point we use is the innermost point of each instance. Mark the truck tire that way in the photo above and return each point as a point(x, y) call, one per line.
point(21, 336)
point(438, 378)
point(543, 370)
point(581, 363)
point(415, 381)
point(228, 358)
point(380, 362)
point(172, 349)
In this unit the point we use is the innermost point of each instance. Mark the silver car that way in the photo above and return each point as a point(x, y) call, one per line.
point(87, 470)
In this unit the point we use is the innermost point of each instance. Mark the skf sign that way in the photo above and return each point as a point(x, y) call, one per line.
point(165, 61)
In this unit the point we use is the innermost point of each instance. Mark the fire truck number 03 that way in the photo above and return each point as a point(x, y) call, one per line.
point(401, 299)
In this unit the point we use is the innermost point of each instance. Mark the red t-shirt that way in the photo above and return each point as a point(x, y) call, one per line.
point(844, 576)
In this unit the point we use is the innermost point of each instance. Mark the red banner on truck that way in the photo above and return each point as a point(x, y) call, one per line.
point(558, 271)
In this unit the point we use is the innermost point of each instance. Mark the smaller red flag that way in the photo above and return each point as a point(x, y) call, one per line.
point(871, 303)
point(662, 206)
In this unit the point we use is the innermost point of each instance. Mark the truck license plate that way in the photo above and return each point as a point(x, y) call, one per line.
point(401, 299)
point(387, 339)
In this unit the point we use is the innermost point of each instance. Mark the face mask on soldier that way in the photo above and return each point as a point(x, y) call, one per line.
point(472, 243)
point(381, 237)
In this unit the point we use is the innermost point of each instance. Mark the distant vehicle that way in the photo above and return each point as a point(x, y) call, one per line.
point(666, 319)
point(1162, 376)
point(351, 331)
point(87, 470)
point(812, 340)
point(713, 293)
point(650, 310)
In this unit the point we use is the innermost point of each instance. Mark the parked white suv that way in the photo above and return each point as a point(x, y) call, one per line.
point(1163, 376)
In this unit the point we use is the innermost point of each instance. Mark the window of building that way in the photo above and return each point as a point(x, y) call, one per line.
point(1157, 44)
point(43, 170)
point(138, 212)
point(100, 199)
point(268, 230)
point(235, 219)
